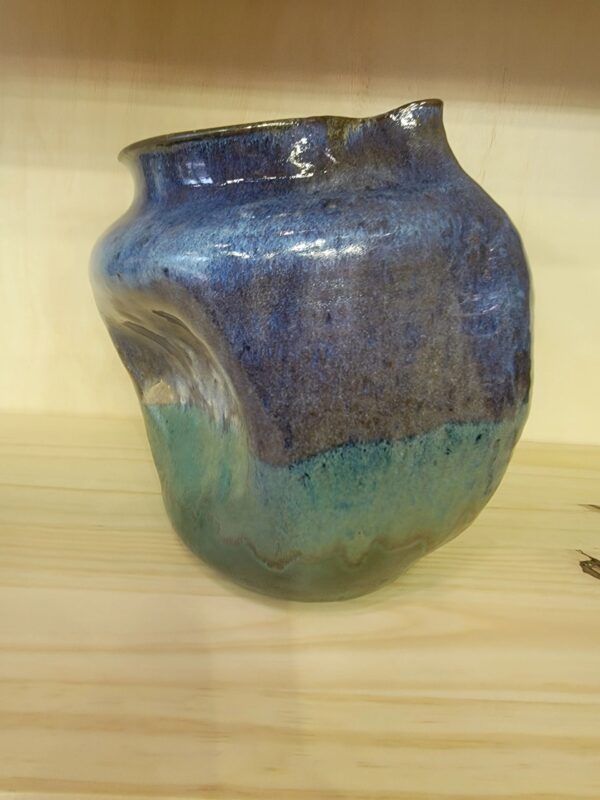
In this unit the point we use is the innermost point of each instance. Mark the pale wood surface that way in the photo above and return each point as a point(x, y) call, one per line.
point(79, 79)
point(129, 670)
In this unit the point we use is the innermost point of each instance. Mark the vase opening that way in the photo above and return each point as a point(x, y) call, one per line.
point(293, 149)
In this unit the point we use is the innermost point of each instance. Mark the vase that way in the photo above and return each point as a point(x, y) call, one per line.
point(327, 324)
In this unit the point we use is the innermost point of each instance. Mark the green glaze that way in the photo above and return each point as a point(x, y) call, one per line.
point(331, 526)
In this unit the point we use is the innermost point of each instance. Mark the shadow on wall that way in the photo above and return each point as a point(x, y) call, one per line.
point(486, 49)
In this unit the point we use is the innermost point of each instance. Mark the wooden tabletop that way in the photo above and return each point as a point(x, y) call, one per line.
point(128, 669)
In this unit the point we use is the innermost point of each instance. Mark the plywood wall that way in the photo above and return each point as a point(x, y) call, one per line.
point(78, 80)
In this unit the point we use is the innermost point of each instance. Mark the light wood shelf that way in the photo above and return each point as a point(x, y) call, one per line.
point(128, 669)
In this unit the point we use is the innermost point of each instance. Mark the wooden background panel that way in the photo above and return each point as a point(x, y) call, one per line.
point(78, 80)
point(129, 669)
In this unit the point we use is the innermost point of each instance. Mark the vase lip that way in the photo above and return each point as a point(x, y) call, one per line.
point(168, 140)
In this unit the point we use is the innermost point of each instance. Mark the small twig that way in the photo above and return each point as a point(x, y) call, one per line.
point(591, 566)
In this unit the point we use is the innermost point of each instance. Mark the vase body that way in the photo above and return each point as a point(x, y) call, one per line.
point(327, 324)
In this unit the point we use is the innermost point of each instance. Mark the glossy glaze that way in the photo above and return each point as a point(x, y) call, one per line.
point(327, 323)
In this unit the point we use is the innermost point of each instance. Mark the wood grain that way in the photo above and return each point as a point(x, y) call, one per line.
point(79, 80)
point(128, 669)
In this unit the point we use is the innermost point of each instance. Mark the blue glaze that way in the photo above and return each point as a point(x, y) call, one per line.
point(314, 285)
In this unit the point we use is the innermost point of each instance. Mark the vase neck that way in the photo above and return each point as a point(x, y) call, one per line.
point(410, 139)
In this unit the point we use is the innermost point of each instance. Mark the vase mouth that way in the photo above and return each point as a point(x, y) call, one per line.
point(407, 115)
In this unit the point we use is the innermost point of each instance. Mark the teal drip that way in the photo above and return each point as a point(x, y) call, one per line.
point(333, 525)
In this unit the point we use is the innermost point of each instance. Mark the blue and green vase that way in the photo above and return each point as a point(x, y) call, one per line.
point(327, 323)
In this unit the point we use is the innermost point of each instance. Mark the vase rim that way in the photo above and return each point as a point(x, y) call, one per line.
point(168, 140)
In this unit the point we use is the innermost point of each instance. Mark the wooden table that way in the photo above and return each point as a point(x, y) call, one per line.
point(128, 669)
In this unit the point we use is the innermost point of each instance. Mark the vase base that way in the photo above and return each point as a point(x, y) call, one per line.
point(336, 525)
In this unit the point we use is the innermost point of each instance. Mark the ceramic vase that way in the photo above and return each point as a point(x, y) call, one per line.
point(327, 324)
